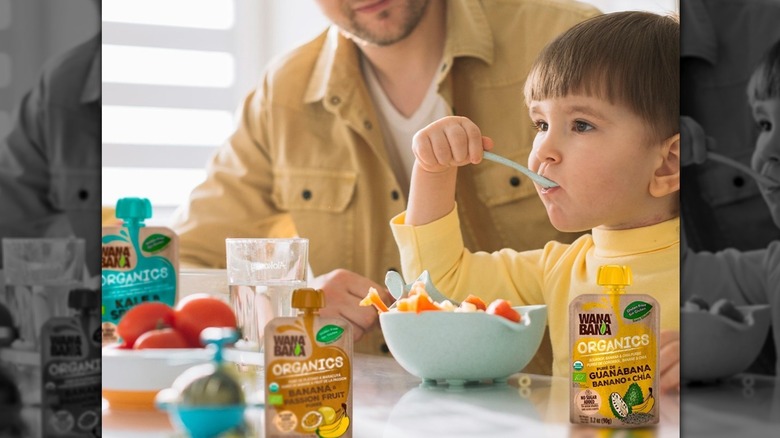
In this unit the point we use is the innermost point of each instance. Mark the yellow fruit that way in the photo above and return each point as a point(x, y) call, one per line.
point(311, 420)
point(334, 430)
point(328, 414)
point(645, 406)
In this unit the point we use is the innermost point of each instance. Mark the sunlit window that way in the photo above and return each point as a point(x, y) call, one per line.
point(169, 93)
point(5, 14)
point(5, 70)
point(186, 68)
point(203, 14)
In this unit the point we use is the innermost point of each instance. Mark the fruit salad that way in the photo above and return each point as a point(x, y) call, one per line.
point(722, 307)
point(418, 301)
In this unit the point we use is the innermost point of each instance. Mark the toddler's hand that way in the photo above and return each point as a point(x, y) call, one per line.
point(449, 142)
point(694, 142)
point(670, 360)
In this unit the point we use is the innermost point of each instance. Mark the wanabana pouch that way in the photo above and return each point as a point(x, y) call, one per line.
point(614, 354)
point(140, 264)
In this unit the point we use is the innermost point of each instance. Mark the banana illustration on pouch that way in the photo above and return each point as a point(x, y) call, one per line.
point(647, 405)
point(338, 427)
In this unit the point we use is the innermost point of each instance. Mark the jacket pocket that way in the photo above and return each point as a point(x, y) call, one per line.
point(497, 184)
point(75, 189)
point(301, 189)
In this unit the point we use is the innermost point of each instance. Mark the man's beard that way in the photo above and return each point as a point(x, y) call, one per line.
point(412, 11)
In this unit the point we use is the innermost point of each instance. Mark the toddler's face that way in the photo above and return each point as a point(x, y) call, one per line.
point(601, 156)
point(766, 157)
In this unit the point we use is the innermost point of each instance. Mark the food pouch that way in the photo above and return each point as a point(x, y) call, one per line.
point(614, 354)
point(308, 372)
point(71, 370)
point(139, 264)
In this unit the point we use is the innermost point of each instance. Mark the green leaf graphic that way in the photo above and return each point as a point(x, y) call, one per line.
point(155, 242)
point(603, 328)
point(329, 333)
point(297, 350)
point(122, 261)
point(637, 310)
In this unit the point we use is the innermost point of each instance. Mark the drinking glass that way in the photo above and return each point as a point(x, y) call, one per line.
point(262, 274)
point(39, 274)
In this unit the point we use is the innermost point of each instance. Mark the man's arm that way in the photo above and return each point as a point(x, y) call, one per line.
point(24, 175)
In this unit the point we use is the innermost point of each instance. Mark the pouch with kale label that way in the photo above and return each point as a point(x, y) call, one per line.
point(139, 264)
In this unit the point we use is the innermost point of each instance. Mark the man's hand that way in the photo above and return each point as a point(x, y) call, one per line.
point(670, 360)
point(343, 292)
point(694, 143)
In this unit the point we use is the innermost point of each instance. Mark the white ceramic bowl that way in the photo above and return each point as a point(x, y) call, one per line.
point(715, 347)
point(132, 378)
point(460, 347)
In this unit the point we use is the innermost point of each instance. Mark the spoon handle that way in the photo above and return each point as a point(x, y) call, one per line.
point(739, 166)
point(542, 181)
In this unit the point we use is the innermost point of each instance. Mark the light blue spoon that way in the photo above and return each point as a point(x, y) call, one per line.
point(539, 179)
point(398, 289)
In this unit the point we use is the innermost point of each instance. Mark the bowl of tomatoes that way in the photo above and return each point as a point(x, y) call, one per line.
point(158, 343)
point(460, 343)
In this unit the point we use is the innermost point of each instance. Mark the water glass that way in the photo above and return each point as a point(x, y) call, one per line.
point(262, 274)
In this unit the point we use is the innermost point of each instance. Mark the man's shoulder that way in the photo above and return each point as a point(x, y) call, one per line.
point(294, 67)
point(65, 74)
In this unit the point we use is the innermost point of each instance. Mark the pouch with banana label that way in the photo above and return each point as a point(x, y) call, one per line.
point(308, 372)
point(614, 354)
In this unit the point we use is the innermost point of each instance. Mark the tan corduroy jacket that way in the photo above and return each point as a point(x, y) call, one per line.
point(308, 156)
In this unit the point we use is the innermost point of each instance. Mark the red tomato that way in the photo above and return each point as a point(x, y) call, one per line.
point(477, 301)
point(200, 311)
point(142, 318)
point(503, 308)
point(162, 338)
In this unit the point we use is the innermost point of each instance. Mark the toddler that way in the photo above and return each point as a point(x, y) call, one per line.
point(604, 98)
point(749, 277)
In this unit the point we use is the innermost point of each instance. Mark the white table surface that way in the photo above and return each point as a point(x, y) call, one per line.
point(744, 406)
point(389, 402)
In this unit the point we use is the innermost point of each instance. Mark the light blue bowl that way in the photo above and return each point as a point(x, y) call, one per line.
point(714, 347)
point(461, 347)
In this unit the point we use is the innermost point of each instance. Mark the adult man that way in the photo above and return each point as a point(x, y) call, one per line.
point(323, 148)
point(50, 161)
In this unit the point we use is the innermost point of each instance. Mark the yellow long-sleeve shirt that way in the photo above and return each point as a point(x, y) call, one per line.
point(553, 275)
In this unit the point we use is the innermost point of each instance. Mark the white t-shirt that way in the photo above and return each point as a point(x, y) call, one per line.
point(398, 130)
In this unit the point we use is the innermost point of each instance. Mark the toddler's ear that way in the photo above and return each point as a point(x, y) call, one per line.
point(666, 179)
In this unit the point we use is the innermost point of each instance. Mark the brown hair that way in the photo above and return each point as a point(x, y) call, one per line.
point(765, 81)
point(629, 58)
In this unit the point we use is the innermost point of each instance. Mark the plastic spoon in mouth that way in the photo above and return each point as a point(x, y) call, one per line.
point(539, 179)
point(765, 180)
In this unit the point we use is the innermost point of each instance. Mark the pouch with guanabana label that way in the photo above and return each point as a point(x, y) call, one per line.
point(614, 354)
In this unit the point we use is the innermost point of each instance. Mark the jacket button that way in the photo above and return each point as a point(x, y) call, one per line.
point(335, 100)
point(367, 124)
point(514, 181)
point(444, 66)
point(384, 348)
point(83, 194)
point(395, 195)
point(306, 194)
point(738, 181)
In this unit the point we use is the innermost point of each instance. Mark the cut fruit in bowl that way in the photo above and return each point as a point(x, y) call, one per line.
point(460, 347)
point(720, 340)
